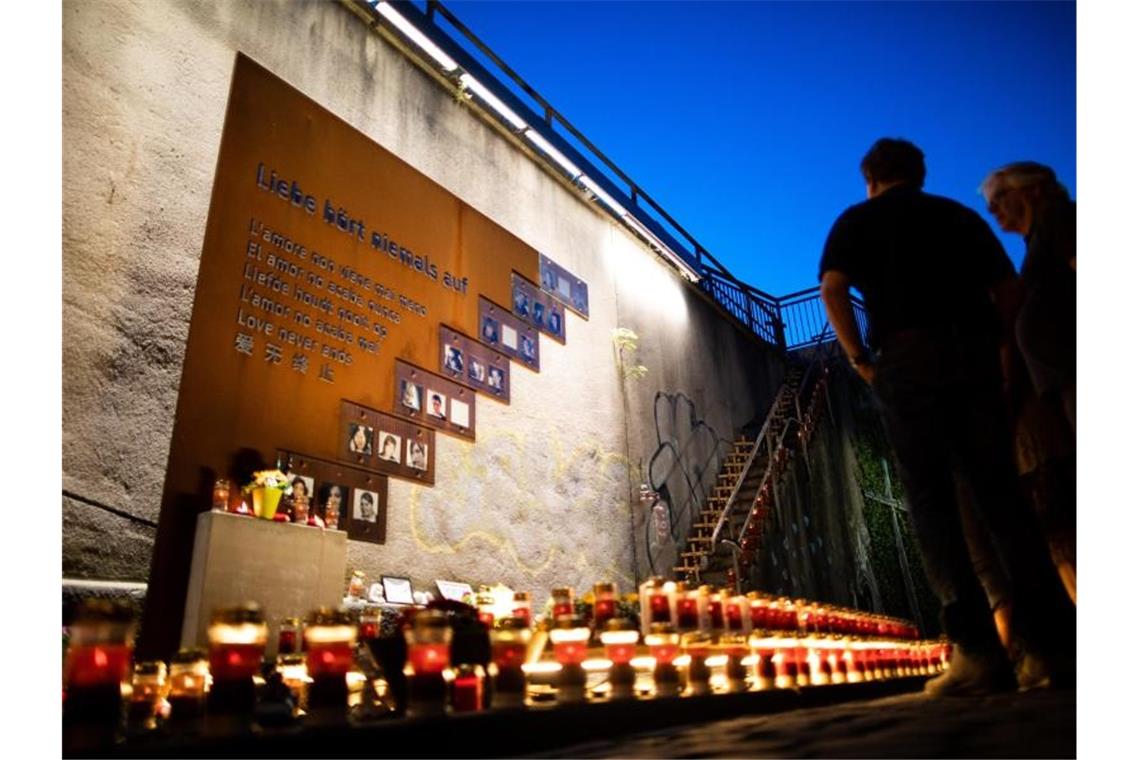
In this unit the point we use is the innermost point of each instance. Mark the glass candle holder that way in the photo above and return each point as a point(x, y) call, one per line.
point(330, 638)
point(688, 609)
point(189, 673)
point(735, 649)
point(467, 687)
point(485, 606)
point(369, 625)
point(429, 655)
point(733, 614)
point(95, 672)
point(148, 692)
point(654, 601)
point(620, 643)
point(763, 648)
point(800, 652)
point(220, 501)
point(509, 640)
point(521, 607)
point(698, 645)
point(300, 508)
point(605, 604)
point(237, 637)
point(332, 517)
point(570, 635)
point(295, 675)
point(664, 645)
point(714, 605)
point(562, 602)
point(288, 636)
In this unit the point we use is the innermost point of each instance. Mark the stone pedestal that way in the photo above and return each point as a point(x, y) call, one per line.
point(288, 569)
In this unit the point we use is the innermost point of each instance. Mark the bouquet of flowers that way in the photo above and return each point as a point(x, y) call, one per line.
point(267, 488)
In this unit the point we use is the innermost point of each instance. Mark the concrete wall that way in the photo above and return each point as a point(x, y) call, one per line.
point(544, 496)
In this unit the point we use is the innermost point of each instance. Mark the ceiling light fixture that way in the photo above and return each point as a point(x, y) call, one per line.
point(415, 35)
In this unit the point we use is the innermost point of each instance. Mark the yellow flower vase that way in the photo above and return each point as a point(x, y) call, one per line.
point(265, 501)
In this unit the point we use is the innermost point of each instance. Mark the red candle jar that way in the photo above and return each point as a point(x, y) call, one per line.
point(763, 647)
point(485, 607)
point(521, 606)
point(237, 637)
point(654, 601)
point(715, 607)
point(569, 637)
point(509, 640)
point(429, 654)
point(605, 604)
point(664, 645)
point(697, 646)
point(221, 497)
point(688, 611)
point(369, 626)
point(733, 615)
point(95, 672)
point(467, 688)
point(562, 600)
point(620, 642)
point(658, 606)
point(288, 636)
point(330, 638)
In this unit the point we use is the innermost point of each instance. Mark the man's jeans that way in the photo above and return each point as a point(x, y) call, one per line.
point(944, 413)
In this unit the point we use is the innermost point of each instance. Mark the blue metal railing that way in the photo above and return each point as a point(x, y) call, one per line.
point(787, 323)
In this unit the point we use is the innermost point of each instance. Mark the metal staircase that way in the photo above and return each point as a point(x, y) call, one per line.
point(725, 537)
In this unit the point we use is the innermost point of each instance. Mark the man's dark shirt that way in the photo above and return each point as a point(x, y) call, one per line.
point(920, 261)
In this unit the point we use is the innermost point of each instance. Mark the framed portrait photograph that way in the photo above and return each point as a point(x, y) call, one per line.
point(563, 287)
point(411, 395)
point(460, 413)
point(301, 500)
point(555, 323)
point(526, 348)
point(359, 439)
point(397, 590)
point(490, 330)
point(365, 505)
point(437, 403)
point(388, 446)
point(539, 313)
point(417, 455)
point(476, 371)
point(454, 590)
point(495, 379)
point(453, 359)
point(522, 303)
point(332, 504)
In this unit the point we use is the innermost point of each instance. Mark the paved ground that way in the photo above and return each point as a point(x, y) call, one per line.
point(1035, 724)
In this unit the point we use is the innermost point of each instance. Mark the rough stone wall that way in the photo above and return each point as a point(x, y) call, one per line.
point(544, 496)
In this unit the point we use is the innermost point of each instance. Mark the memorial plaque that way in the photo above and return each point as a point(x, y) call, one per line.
point(324, 258)
point(393, 445)
point(560, 283)
point(466, 360)
point(530, 303)
point(435, 401)
point(505, 332)
point(352, 489)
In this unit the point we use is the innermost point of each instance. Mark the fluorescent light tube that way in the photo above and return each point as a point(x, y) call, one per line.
point(602, 195)
point(488, 97)
point(662, 249)
point(415, 35)
point(553, 152)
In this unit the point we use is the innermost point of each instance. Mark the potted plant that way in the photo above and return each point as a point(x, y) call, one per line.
point(267, 488)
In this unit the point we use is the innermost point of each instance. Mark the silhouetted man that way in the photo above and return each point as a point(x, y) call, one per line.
point(930, 271)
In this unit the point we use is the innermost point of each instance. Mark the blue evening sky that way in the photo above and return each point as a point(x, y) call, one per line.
point(747, 120)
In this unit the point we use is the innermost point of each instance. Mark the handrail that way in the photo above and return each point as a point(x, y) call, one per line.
point(739, 540)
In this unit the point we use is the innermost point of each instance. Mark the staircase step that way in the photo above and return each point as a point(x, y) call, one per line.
point(704, 525)
point(700, 539)
point(693, 554)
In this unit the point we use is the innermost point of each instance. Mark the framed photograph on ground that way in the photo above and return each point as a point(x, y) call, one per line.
point(454, 590)
point(397, 590)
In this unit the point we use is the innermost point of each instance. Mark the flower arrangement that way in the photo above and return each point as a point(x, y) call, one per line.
point(267, 487)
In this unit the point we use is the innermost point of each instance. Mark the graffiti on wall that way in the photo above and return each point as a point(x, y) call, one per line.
point(681, 471)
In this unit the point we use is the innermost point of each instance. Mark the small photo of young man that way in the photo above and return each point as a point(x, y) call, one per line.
point(490, 330)
point(365, 505)
point(410, 395)
point(453, 359)
point(437, 403)
point(417, 455)
point(477, 371)
point(495, 379)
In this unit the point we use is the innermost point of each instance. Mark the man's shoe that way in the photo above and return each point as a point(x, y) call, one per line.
point(1037, 672)
point(971, 675)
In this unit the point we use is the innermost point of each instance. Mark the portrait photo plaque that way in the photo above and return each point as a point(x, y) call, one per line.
point(505, 332)
point(434, 400)
point(345, 497)
point(400, 448)
point(572, 291)
point(536, 307)
point(466, 360)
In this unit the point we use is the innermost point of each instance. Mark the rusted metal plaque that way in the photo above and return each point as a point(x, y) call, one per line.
point(572, 291)
point(383, 442)
point(324, 258)
point(358, 497)
point(505, 332)
point(466, 360)
point(435, 401)
point(530, 303)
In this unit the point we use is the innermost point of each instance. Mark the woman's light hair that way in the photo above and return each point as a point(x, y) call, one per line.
point(1021, 174)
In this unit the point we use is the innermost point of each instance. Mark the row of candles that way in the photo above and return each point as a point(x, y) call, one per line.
point(752, 642)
